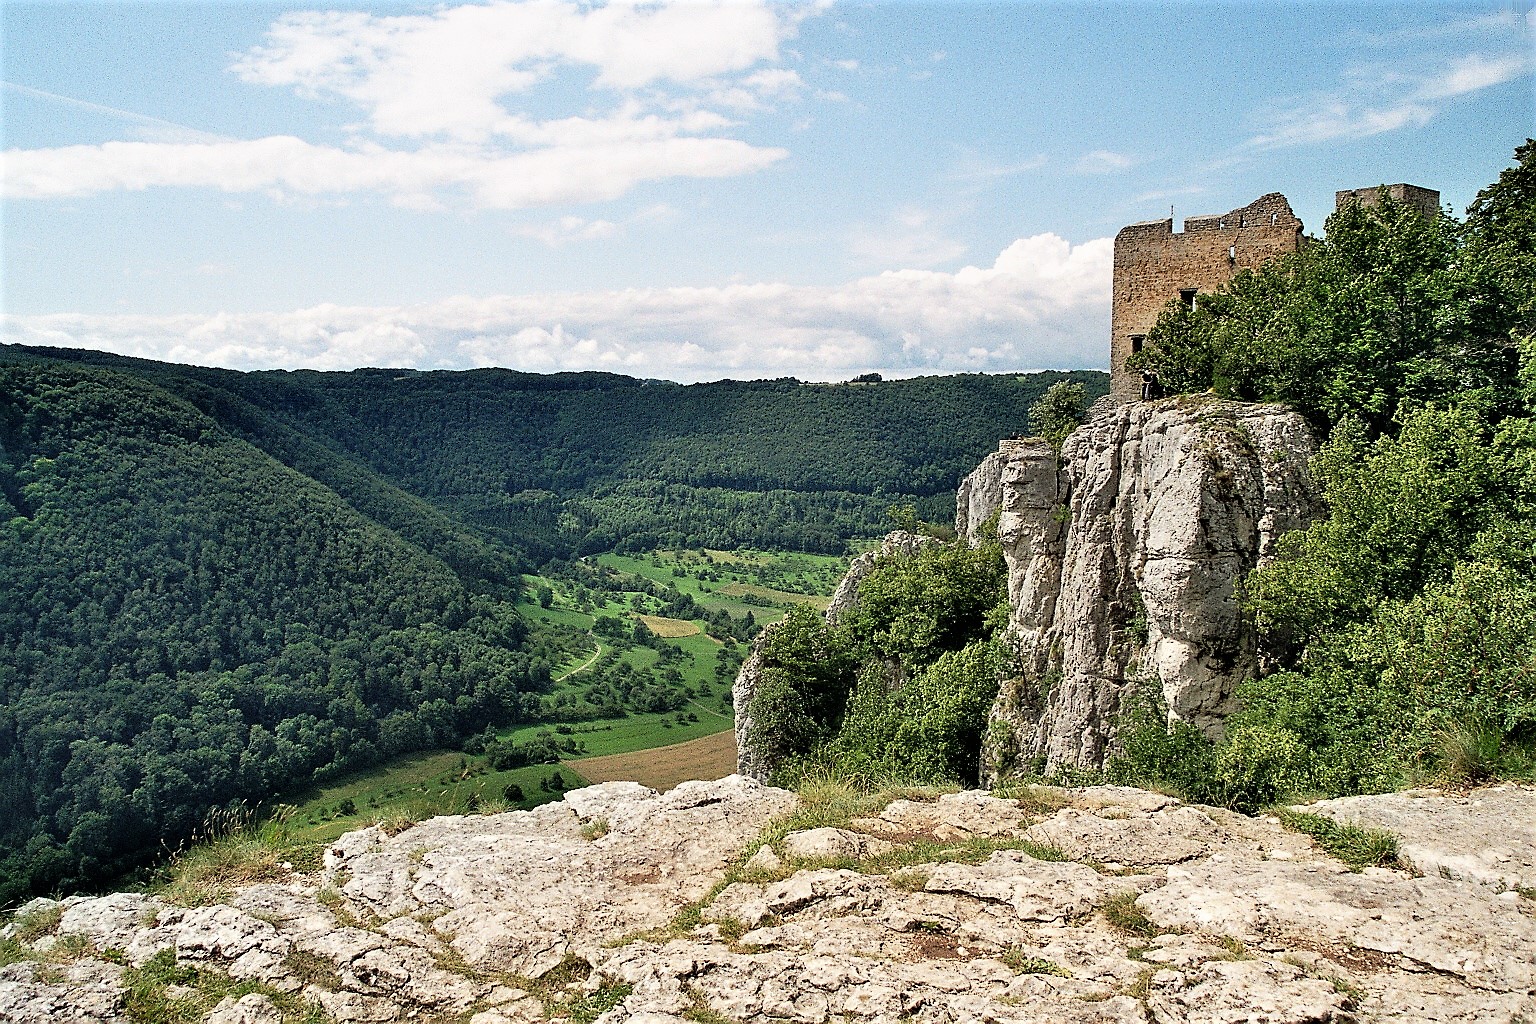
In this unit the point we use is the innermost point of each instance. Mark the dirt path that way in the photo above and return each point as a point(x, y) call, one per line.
point(586, 664)
point(708, 757)
point(707, 711)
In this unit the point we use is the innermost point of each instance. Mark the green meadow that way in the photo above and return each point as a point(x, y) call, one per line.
point(421, 785)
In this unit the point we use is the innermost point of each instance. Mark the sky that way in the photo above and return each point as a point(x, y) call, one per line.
point(694, 190)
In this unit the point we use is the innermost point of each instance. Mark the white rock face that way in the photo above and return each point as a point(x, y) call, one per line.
point(1086, 906)
point(1125, 555)
point(1449, 835)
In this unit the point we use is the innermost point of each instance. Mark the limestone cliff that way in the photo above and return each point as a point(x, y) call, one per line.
point(1126, 556)
point(619, 905)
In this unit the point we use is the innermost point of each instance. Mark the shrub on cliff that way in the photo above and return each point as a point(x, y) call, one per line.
point(901, 686)
point(1391, 308)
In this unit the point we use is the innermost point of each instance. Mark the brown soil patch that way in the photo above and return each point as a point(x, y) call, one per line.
point(708, 757)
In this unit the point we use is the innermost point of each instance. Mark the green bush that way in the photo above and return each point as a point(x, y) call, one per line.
point(901, 686)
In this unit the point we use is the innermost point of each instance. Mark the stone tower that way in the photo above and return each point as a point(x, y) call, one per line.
point(1427, 200)
point(1154, 263)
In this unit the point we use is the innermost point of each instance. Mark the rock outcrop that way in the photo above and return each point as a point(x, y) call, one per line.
point(623, 906)
point(898, 542)
point(1126, 555)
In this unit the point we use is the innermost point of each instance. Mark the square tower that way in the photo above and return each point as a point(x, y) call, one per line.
point(1425, 200)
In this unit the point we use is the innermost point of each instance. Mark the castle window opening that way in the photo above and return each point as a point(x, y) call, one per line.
point(1137, 341)
point(1232, 253)
point(1187, 296)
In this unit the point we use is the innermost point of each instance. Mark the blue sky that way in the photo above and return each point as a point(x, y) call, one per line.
point(691, 191)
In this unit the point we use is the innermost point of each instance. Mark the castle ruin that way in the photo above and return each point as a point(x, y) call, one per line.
point(1155, 264)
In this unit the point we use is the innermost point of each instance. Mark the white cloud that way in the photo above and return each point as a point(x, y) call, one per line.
point(759, 91)
point(569, 229)
point(1103, 161)
point(447, 72)
point(1374, 100)
point(284, 164)
point(1472, 73)
point(436, 91)
point(1042, 303)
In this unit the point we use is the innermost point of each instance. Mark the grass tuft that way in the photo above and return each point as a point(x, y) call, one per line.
point(1358, 847)
point(1020, 963)
point(232, 848)
point(1233, 948)
point(700, 1011)
point(1469, 753)
point(164, 991)
point(1122, 912)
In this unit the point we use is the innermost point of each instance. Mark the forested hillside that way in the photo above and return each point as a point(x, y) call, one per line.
point(220, 586)
point(576, 463)
point(185, 621)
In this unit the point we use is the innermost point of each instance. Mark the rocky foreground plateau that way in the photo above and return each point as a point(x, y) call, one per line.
point(732, 901)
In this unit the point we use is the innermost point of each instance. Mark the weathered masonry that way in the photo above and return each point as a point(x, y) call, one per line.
point(1154, 263)
point(1426, 199)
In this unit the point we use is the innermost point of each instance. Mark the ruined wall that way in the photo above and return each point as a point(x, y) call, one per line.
point(1153, 264)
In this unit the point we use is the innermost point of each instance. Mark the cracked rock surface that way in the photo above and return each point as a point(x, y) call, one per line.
point(1102, 904)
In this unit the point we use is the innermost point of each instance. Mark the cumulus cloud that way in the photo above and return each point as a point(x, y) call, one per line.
point(447, 71)
point(1042, 303)
point(447, 115)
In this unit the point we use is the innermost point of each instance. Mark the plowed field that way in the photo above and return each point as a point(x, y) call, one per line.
point(708, 757)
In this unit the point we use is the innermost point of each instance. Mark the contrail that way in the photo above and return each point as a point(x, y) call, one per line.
point(189, 134)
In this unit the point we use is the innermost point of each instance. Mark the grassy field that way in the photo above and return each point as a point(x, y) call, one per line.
point(418, 786)
point(670, 629)
point(738, 582)
point(658, 747)
point(769, 594)
point(629, 734)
